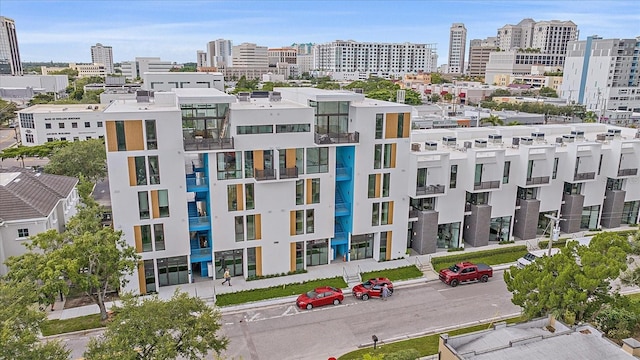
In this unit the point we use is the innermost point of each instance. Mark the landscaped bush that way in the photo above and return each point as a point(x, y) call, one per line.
point(454, 249)
point(407, 354)
point(503, 255)
point(402, 273)
point(256, 277)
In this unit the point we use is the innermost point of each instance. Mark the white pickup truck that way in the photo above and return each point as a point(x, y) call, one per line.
point(533, 255)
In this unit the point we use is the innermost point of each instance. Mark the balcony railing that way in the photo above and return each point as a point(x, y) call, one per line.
point(197, 183)
point(337, 138)
point(584, 176)
point(486, 185)
point(627, 172)
point(430, 190)
point(342, 173)
point(201, 251)
point(266, 174)
point(538, 180)
point(289, 173)
point(198, 221)
point(200, 143)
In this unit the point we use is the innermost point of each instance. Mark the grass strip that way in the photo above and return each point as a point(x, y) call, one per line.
point(425, 345)
point(397, 274)
point(503, 255)
point(54, 327)
point(273, 292)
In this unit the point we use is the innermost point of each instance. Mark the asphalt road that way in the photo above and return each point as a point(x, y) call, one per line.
point(7, 138)
point(285, 332)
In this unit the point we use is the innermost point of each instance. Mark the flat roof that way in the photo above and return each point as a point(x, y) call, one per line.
point(265, 103)
point(61, 108)
point(132, 105)
point(200, 95)
point(322, 94)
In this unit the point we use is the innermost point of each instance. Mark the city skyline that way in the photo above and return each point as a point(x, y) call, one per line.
point(65, 31)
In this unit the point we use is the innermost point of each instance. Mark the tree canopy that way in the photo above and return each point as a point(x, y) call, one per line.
point(7, 111)
point(20, 152)
point(151, 328)
point(574, 283)
point(86, 158)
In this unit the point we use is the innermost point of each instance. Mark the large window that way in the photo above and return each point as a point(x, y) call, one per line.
point(141, 170)
point(239, 228)
point(150, 276)
point(293, 128)
point(147, 243)
point(386, 184)
point(400, 131)
point(251, 262)
point(300, 192)
point(143, 205)
point(572, 189)
point(315, 191)
point(389, 155)
point(383, 245)
point(379, 125)
point(23, 233)
point(506, 171)
point(424, 204)
point(499, 228)
point(527, 193)
point(26, 121)
point(248, 164)
point(163, 202)
point(448, 235)
point(254, 129)
point(361, 247)
point(310, 221)
point(371, 190)
point(173, 271)
point(630, 212)
point(152, 140)
point(154, 170)
point(317, 252)
point(317, 160)
point(299, 227)
point(249, 196)
point(589, 218)
point(251, 227)
point(555, 168)
point(331, 117)
point(204, 120)
point(375, 214)
point(386, 216)
point(121, 140)
point(377, 156)
point(232, 197)
point(158, 232)
point(477, 178)
point(230, 165)
point(454, 177)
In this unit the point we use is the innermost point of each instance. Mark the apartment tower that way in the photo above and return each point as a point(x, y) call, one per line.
point(457, 47)
point(101, 54)
point(10, 63)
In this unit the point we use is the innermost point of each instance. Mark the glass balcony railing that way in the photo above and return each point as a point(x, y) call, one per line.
point(201, 143)
point(430, 190)
point(197, 183)
point(584, 176)
point(337, 138)
point(486, 185)
point(199, 222)
point(538, 180)
point(289, 173)
point(627, 172)
point(266, 174)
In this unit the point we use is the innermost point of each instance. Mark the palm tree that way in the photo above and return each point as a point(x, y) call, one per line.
point(590, 117)
point(493, 120)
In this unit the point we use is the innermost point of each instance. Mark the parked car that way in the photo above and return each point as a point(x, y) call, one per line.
point(320, 296)
point(371, 288)
point(531, 256)
point(464, 272)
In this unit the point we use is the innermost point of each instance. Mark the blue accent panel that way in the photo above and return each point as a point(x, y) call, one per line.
point(345, 161)
point(205, 166)
point(192, 209)
point(585, 68)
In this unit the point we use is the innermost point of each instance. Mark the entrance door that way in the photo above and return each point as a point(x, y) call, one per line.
point(230, 259)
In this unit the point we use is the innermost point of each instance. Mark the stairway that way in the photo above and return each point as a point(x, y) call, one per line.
point(351, 279)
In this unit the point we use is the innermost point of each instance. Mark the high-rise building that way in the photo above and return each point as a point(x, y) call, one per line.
point(10, 63)
point(603, 74)
point(303, 48)
point(397, 58)
point(201, 59)
point(549, 37)
point(282, 55)
point(479, 50)
point(220, 53)
point(101, 54)
point(249, 55)
point(457, 47)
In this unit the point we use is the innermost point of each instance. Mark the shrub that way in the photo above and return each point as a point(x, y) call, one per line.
point(455, 249)
point(407, 354)
point(505, 242)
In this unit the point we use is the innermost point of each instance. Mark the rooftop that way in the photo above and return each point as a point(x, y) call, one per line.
point(62, 108)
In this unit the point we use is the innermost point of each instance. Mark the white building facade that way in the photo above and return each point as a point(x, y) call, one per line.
point(165, 81)
point(457, 48)
point(44, 123)
point(135, 69)
point(10, 63)
point(101, 54)
point(249, 55)
point(219, 53)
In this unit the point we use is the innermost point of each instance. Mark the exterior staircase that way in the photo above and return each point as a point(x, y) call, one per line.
point(352, 279)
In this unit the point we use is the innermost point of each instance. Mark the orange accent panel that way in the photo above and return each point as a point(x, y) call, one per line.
point(133, 135)
point(142, 284)
point(259, 261)
point(258, 159)
point(292, 255)
point(131, 161)
point(292, 223)
point(309, 192)
point(377, 188)
point(291, 158)
point(240, 197)
point(391, 130)
point(407, 125)
point(112, 140)
point(393, 155)
point(388, 253)
point(258, 226)
point(390, 213)
point(155, 204)
point(137, 235)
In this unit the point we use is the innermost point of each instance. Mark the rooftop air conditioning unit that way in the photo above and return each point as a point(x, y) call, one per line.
point(467, 145)
point(143, 96)
point(415, 147)
point(481, 143)
point(615, 132)
point(495, 139)
point(537, 136)
point(579, 134)
point(601, 137)
point(568, 138)
point(244, 96)
point(449, 141)
point(431, 145)
point(275, 96)
point(526, 141)
point(638, 134)
point(515, 141)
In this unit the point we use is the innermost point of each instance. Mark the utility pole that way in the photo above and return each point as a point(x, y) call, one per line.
point(555, 233)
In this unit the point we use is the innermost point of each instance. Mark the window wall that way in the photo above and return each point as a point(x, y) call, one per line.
point(361, 247)
point(173, 271)
point(499, 228)
point(317, 252)
point(448, 235)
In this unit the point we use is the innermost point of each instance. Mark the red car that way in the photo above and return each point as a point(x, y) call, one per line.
point(320, 296)
point(371, 288)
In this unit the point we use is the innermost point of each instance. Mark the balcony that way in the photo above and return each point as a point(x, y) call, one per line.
point(289, 173)
point(200, 254)
point(627, 172)
point(584, 176)
point(337, 138)
point(199, 223)
point(266, 174)
point(195, 184)
point(342, 207)
point(199, 143)
point(430, 190)
point(486, 185)
point(538, 180)
point(343, 173)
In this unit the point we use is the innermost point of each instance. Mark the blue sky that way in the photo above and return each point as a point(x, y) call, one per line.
point(174, 30)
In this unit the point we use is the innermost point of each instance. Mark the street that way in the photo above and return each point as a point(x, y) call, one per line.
point(285, 332)
point(7, 138)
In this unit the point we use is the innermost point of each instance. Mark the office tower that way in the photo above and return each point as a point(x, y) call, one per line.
point(457, 45)
point(282, 55)
point(479, 50)
point(101, 54)
point(10, 63)
point(249, 55)
point(220, 53)
point(550, 37)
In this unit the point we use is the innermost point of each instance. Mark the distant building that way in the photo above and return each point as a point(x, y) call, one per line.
point(219, 53)
point(101, 54)
point(44, 123)
point(32, 203)
point(305, 63)
point(56, 84)
point(516, 62)
point(303, 48)
point(249, 55)
point(10, 63)
point(479, 50)
point(135, 69)
point(550, 37)
point(201, 59)
point(457, 47)
point(282, 55)
point(165, 81)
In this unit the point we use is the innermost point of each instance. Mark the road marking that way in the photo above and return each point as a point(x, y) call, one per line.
point(447, 289)
point(253, 318)
point(289, 309)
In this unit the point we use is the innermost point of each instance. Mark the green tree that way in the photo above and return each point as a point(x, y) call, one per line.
point(632, 277)
point(493, 120)
point(41, 99)
point(151, 328)
point(548, 92)
point(436, 78)
point(514, 123)
point(92, 258)
point(72, 74)
point(448, 97)
point(87, 158)
point(382, 94)
point(412, 97)
point(20, 325)
point(435, 98)
point(590, 117)
point(7, 111)
point(499, 92)
point(244, 85)
point(20, 152)
point(576, 281)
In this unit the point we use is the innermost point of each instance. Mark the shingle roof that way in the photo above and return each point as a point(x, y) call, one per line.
point(26, 194)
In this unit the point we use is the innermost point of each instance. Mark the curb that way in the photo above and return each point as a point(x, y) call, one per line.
point(79, 332)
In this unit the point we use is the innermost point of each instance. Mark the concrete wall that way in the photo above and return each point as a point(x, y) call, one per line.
point(571, 210)
point(426, 232)
point(612, 208)
point(476, 225)
point(526, 219)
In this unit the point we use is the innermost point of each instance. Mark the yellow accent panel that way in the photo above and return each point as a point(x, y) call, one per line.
point(258, 159)
point(393, 155)
point(240, 197)
point(292, 255)
point(291, 158)
point(258, 226)
point(155, 205)
point(137, 235)
point(259, 261)
point(377, 188)
point(292, 223)
point(112, 140)
point(142, 284)
point(391, 130)
point(309, 192)
point(132, 171)
point(133, 135)
point(388, 253)
point(390, 212)
point(406, 126)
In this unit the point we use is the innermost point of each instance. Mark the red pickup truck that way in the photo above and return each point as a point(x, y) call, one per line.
point(464, 272)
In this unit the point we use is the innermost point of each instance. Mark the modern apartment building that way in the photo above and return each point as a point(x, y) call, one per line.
point(101, 54)
point(550, 37)
point(10, 63)
point(357, 57)
point(262, 184)
point(219, 53)
point(479, 50)
point(44, 123)
point(603, 74)
point(136, 69)
point(201, 59)
point(249, 55)
point(165, 81)
point(457, 47)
